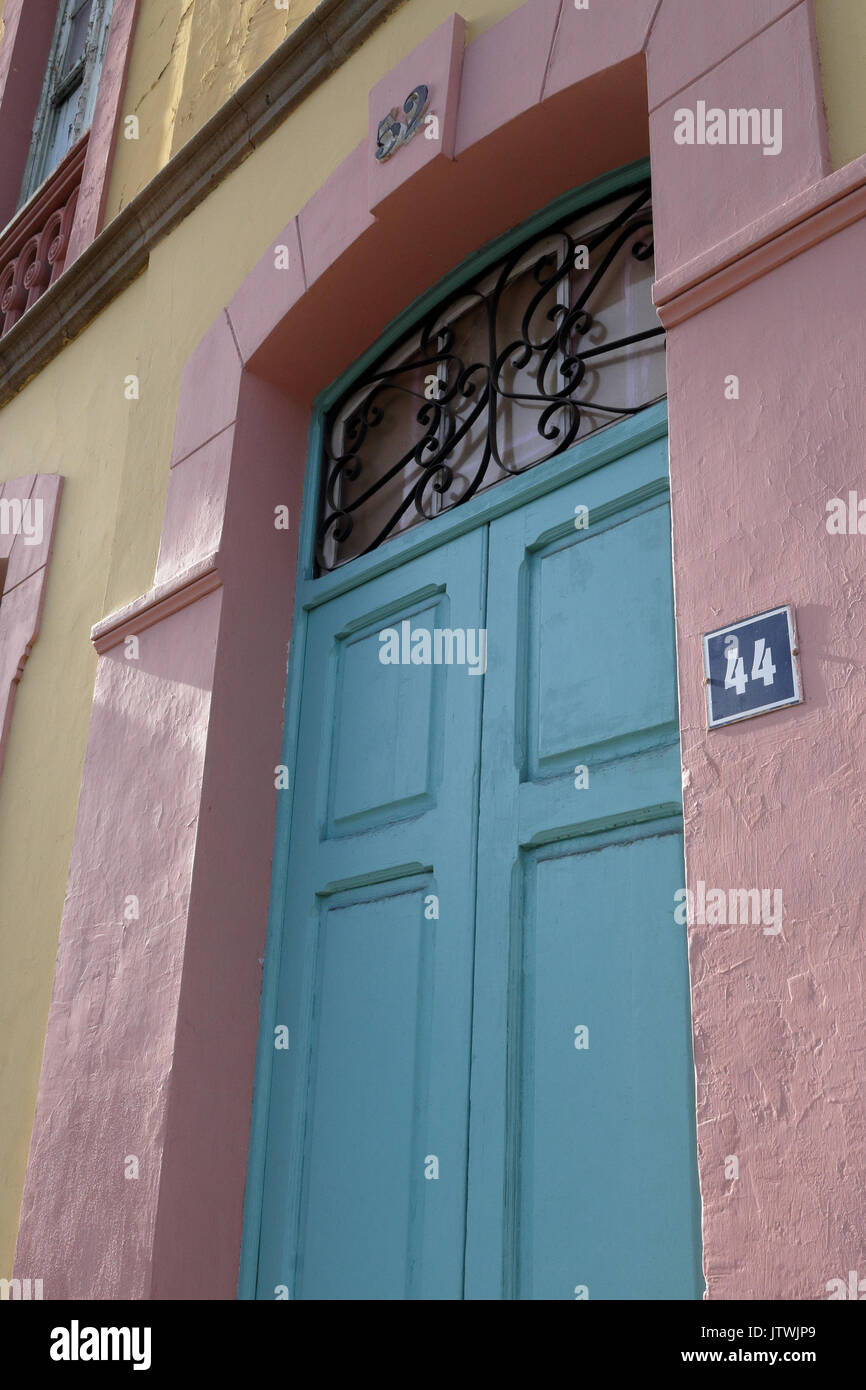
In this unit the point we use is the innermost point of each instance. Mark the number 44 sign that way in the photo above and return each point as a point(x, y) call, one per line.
point(751, 667)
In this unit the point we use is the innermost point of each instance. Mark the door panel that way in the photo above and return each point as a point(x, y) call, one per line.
point(374, 989)
point(582, 1169)
point(604, 1150)
point(365, 1197)
point(386, 745)
point(583, 598)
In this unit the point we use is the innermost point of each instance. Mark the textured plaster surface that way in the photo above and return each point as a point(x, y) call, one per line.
point(117, 981)
point(714, 31)
point(153, 95)
point(189, 703)
point(841, 28)
point(190, 55)
point(703, 194)
point(227, 43)
point(188, 58)
point(78, 423)
point(588, 41)
point(776, 802)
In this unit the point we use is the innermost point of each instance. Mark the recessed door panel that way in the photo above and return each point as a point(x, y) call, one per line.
point(368, 1123)
point(604, 1154)
point(386, 722)
point(601, 660)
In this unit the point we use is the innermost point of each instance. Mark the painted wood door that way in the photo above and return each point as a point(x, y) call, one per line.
point(582, 1176)
point(375, 992)
point(488, 1089)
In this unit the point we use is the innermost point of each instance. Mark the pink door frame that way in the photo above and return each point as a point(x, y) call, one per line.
point(152, 1030)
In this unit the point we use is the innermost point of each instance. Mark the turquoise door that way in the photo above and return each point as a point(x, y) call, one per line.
point(582, 1177)
point(488, 1088)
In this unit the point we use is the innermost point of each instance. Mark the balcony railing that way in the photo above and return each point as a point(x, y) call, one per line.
point(33, 247)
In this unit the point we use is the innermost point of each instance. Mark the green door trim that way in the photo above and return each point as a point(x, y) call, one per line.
point(584, 457)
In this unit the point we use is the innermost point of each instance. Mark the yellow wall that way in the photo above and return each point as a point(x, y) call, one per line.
point(187, 58)
point(71, 421)
point(74, 419)
point(841, 28)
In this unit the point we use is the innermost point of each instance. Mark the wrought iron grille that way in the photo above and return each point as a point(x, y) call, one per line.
point(501, 376)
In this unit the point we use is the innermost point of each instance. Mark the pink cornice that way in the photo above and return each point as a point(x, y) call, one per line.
point(830, 205)
point(157, 604)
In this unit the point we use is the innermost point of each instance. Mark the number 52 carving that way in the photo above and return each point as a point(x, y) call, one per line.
point(394, 131)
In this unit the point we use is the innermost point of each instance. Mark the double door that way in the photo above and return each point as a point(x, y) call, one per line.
point(487, 1089)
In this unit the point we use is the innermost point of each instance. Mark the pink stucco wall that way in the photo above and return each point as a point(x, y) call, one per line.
point(150, 1042)
point(775, 802)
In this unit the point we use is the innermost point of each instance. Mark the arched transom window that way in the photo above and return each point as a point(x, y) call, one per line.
point(555, 341)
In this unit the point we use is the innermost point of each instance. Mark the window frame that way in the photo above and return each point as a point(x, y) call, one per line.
point(82, 77)
point(396, 346)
